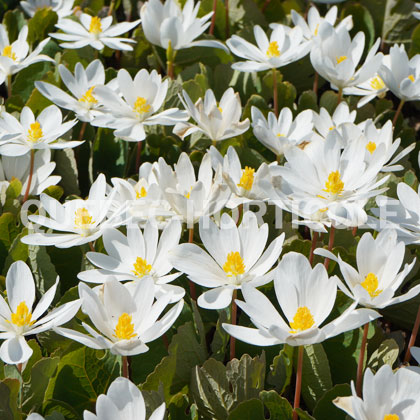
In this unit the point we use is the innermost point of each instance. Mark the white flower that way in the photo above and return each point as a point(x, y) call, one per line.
point(83, 102)
point(14, 56)
point(63, 8)
point(377, 277)
point(139, 105)
point(284, 132)
point(95, 32)
point(218, 121)
point(123, 401)
point(306, 297)
point(79, 221)
point(403, 215)
point(417, 14)
point(18, 167)
point(284, 47)
point(243, 183)
point(387, 396)
point(17, 319)
point(402, 75)
point(191, 197)
point(167, 23)
point(236, 258)
point(332, 181)
point(136, 256)
point(126, 316)
point(311, 28)
point(336, 57)
point(19, 138)
point(35, 416)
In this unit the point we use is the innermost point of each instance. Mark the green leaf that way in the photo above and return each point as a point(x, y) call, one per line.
point(316, 375)
point(279, 407)
point(308, 100)
point(304, 415)
point(67, 168)
point(8, 232)
point(218, 389)
point(329, 101)
point(221, 337)
point(415, 44)
point(325, 409)
point(41, 24)
point(14, 20)
point(386, 354)
point(281, 370)
point(399, 21)
point(248, 410)
point(174, 370)
point(362, 21)
point(9, 396)
point(82, 375)
point(14, 189)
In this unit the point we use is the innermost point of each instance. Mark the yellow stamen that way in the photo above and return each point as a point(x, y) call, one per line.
point(412, 78)
point(82, 218)
point(371, 285)
point(95, 26)
point(280, 135)
point(332, 128)
point(371, 147)
point(323, 210)
point(8, 52)
point(142, 193)
point(341, 59)
point(316, 30)
point(141, 106)
point(220, 109)
point(141, 268)
point(303, 320)
point(334, 185)
point(247, 178)
point(391, 417)
point(22, 317)
point(377, 83)
point(35, 132)
point(88, 97)
point(234, 264)
point(273, 50)
point(124, 329)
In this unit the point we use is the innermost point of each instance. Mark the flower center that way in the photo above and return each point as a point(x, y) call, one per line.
point(341, 59)
point(234, 264)
point(142, 193)
point(124, 329)
point(141, 268)
point(371, 147)
point(247, 178)
point(334, 185)
point(377, 83)
point(35, 132)
point(371, 285)
point(88, 97)
point(141, 106)
point(303, 320)
point(8, 52)
point(82, 218)
point(280, 135)
point(391, 417)
point(412, 78)
point(316, 30)
point(95, 26)
point(22, 316)
point(273, 50)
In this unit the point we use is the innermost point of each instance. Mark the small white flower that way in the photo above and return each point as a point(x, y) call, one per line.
point(284, 132)
point(387, 395)
point(63, 8)
point(306, 297)
point(123, 401)
point(402, 75)
point(14, 56)
point(336, 57)
point(166, 23)
point(95, 32)
point(141, 100)
point(80, 221)
point(284, 47)
point(19, 138)
point(191, 197)
point(17, 319)
point(136, 256)
point(217, 120)
point(377, 277)
point(126, 316)
point(236, 257)
point(12, 167)
point(83, 102)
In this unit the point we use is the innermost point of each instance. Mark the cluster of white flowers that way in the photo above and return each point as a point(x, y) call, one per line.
point(325, 169)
